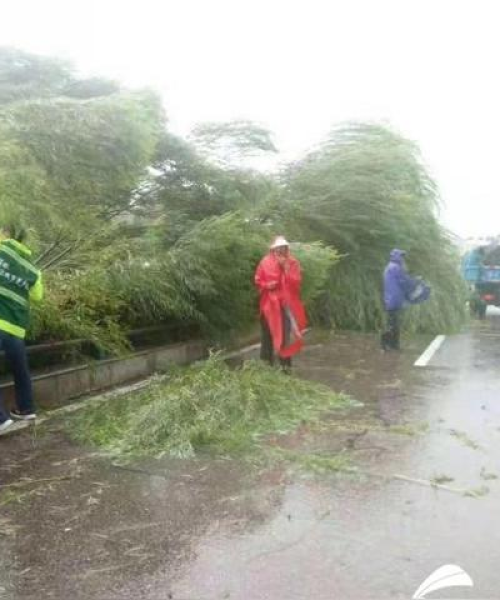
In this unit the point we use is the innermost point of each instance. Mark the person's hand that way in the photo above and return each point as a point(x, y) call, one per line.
point(272, 285)
point(284, 262)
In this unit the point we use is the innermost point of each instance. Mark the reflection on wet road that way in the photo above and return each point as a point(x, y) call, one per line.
point(210, 529)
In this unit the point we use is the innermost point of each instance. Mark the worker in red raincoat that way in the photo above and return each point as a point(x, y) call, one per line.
point(282, 314)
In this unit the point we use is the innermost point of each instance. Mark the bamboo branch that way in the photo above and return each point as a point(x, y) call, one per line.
point(34, 481)
point(431, 484)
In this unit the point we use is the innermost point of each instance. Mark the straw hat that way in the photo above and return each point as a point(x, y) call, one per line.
point(279, 242)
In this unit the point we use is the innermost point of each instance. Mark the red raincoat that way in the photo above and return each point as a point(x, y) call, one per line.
point(286, 295)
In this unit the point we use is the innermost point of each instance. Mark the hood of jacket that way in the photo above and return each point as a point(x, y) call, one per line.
point(397, 256)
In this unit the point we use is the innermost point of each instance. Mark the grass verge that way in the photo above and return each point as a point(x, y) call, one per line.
point(207, 406)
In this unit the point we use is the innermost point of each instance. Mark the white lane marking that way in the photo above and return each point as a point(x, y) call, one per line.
point(433, 347)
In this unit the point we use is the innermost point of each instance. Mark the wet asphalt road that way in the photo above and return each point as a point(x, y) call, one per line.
point(213, 529)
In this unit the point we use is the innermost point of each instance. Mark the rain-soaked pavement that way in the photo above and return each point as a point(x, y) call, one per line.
point(75, 525)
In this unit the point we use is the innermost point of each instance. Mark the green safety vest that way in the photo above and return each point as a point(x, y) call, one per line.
point(20, 282)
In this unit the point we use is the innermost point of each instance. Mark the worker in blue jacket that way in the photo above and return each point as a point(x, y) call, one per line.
point(399, 290)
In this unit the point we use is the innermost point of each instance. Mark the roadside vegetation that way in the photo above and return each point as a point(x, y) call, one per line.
point(364, 191)
point(135, 226)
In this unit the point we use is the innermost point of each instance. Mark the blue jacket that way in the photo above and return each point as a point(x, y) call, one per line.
point(398, 285)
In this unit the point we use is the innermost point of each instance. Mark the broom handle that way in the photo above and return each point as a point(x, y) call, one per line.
point(293, 322)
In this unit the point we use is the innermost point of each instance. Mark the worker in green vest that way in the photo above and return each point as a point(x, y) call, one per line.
point(20, 283)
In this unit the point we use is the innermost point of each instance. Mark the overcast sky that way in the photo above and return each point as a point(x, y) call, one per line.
point(429, 67)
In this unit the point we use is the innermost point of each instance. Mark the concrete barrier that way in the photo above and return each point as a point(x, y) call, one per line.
point(56, 388)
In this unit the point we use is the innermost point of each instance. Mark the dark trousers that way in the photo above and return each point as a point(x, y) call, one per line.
point(266, 346)
point(17, 359)
point(391, 336)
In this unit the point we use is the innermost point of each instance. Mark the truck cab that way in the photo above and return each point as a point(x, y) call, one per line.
point(481, 269)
